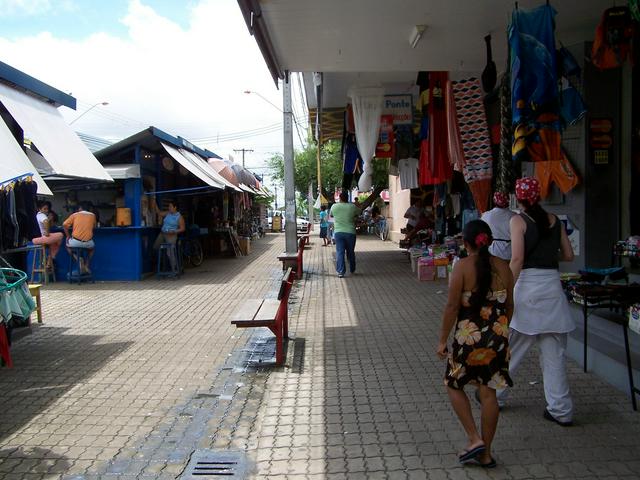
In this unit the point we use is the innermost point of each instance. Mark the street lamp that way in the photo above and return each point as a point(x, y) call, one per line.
point(87, 111)
point(249, 92)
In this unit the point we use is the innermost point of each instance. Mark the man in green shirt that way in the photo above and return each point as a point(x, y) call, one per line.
point(344, 214)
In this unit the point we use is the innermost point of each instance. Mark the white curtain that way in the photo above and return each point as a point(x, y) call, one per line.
point(367, 108)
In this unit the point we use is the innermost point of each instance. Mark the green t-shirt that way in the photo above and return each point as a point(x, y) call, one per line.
point(344, 215)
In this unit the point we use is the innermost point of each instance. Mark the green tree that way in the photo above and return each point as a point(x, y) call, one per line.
point(306, 172)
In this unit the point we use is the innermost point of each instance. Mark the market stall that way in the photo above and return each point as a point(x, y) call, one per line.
point(149, 169)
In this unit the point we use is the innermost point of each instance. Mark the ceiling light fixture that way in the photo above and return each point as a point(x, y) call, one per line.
point(416, 35)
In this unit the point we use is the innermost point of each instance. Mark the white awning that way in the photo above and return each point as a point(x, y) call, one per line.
point(58, 143)
point(14, 163)
point(246, 188)
point(193, 167)
point(204, 165)
point(123, 171)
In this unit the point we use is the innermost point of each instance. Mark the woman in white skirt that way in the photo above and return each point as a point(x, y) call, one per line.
point(541, 313)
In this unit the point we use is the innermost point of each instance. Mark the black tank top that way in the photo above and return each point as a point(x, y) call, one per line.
point(541, 252)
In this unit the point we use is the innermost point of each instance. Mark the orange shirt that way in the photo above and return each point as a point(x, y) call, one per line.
point(83, 224)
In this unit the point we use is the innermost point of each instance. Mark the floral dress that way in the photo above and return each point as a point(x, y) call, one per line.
point(480, 350)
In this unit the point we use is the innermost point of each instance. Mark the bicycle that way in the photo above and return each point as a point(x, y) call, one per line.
point(381, 228)
point(191, 250)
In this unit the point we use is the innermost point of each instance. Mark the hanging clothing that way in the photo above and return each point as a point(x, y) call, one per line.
point(456, 152)
point(351, 160)
point(560, 172)
point(434, 165)
point(533, 61)
point(408, 168)
point(472, 122)
point(613, 43)
point(474, 133)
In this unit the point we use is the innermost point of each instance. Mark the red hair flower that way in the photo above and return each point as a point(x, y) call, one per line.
point(482, 240)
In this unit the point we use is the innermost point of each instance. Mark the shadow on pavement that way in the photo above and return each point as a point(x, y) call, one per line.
point(48, 365)
point(35, 460)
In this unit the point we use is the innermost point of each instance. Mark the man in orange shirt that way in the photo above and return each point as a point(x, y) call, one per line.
point(82, 223)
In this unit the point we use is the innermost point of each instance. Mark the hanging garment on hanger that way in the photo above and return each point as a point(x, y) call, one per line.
point(533, 61)
point(474, 133)
point(560, 172)
point(408, 168)
point(435, 166)
point(613, 43)
point(456, 152)
point(489, 74)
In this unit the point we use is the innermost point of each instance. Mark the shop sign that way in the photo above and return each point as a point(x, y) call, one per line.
point(601, 139)
point(400, 107)
point(385, 146)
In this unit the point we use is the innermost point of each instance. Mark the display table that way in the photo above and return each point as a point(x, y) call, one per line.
point(612, 303)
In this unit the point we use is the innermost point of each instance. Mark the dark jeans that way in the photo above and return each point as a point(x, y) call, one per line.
point(345, 243)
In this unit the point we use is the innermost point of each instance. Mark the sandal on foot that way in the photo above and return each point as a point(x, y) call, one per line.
point(468, 455)
point(491, 464)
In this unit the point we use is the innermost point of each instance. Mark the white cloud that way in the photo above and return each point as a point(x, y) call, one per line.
point(24, 7)
point(187, 81)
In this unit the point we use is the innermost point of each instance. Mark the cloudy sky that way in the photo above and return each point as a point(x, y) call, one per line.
point(180, 65)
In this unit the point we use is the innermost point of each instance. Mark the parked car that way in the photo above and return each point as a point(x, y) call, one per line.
point(302, 225)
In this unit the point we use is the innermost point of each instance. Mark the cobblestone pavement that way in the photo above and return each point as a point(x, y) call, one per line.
point(127, 380)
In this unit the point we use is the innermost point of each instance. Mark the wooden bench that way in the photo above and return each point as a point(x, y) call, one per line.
point(270, 313)
point(294, 260)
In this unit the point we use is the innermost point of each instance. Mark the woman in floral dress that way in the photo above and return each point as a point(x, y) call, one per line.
point(480, 304)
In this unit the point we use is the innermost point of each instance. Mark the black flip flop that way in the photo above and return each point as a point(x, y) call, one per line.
point(491, 464)
point(469, 455)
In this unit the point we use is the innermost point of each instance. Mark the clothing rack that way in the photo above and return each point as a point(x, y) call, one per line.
point(24, 176)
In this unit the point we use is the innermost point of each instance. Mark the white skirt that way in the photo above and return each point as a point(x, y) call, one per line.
point(540, 305)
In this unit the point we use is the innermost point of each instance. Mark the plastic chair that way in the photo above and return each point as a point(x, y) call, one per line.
point(78, 256)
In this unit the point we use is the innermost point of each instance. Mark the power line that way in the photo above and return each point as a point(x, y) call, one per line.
point(243, 150)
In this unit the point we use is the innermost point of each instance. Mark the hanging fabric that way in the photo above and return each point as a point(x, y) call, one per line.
point(505, 173)
point(474, 134)
point(534, 90)
point(367, 108)
point(456, 153)
point(435, 167)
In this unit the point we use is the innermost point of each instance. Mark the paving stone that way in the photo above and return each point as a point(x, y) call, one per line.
point(362, 389)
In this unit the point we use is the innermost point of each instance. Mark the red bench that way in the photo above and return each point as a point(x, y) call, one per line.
point(294, 260)
point(270, 313)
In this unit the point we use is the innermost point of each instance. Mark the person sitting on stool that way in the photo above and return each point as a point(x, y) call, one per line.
point(82, 224)
point(172, 225)
point(51, 239)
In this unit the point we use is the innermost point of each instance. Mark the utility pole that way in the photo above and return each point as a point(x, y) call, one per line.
point(243, 150)
point(291, 242)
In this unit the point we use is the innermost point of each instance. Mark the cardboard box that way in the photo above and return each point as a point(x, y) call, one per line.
point(426, 270)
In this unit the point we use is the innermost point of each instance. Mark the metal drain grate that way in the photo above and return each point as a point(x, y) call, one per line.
point(215, 464)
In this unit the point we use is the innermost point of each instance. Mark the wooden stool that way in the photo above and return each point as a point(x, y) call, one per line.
point(34, 290)
point(39, 264)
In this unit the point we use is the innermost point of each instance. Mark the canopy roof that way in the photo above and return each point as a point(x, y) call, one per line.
point(373, 35)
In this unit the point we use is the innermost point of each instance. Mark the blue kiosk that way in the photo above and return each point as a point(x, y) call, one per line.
point(148, 169)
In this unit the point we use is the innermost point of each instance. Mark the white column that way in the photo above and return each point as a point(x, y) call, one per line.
point(289, 169)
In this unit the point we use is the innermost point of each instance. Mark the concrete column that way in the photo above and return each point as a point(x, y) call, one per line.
point(289, 169)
